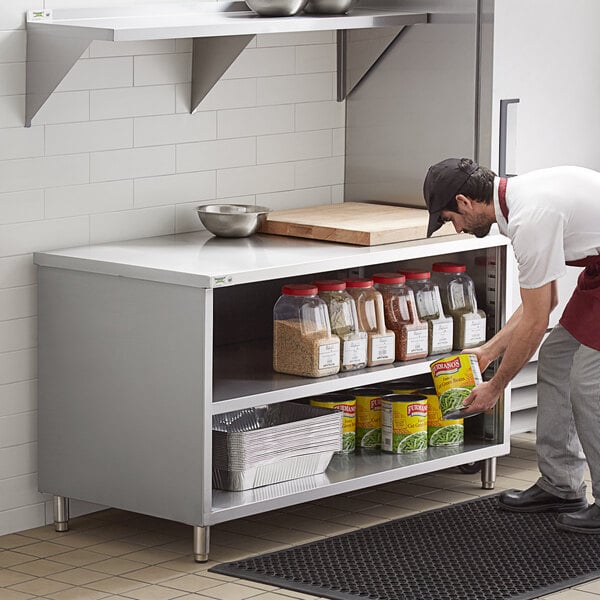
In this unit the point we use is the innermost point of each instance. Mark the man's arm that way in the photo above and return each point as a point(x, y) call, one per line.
point(518, 340)
point(497, 345)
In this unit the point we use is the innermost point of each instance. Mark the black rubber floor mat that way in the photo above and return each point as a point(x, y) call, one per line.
point(468, 551)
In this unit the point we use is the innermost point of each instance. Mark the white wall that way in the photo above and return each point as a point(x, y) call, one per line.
point(115, 155)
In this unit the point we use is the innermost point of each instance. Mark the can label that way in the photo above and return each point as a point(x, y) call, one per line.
point(348, 408)
point(454, 377)
point(368, 421)
point(440, 431)
point(403, 426)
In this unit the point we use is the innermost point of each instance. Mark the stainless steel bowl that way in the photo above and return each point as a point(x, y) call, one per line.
point(328, 7)
point(276, 8)
point(232, 220)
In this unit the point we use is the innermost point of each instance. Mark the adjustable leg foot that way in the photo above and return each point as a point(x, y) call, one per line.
point(488, 474)
point(201, 543)
point(61, 513)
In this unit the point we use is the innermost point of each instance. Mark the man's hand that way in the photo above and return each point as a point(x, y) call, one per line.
point(483, 397)
point(483, 358)
point(523, 333)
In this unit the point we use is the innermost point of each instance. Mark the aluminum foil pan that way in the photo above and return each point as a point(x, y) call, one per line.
point(280, 417)
point(276, 472)
point(258, 436)
point(235, 463)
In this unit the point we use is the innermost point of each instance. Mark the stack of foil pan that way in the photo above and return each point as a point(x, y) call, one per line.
point(265, 445)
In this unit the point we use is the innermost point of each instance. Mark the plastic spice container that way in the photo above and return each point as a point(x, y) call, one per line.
point(430, 310)
point(369, 308)
point(401, 316)
point(458, 299)
point(344, 323)
point(302, 339)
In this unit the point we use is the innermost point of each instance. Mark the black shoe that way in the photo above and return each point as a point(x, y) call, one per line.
point(535, 499)
point(582, 521)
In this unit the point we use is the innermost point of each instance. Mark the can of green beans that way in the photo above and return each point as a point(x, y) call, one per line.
point(346, 403)
point(441, 432)
point(368, 416)
point(454, 377)
point(403, 423)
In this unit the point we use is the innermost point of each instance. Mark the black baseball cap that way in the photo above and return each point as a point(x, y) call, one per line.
point(443, 182)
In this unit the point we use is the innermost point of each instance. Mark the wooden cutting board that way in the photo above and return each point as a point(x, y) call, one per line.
point(353, 223)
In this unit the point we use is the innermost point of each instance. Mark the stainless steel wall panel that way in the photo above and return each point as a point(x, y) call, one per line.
point(419, 106)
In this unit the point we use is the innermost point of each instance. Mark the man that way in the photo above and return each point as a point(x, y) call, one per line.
point(552, 217)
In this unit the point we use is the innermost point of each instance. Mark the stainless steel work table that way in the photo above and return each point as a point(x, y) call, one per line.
point(142, 342)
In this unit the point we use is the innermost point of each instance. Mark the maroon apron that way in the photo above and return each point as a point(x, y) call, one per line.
point(581, 317)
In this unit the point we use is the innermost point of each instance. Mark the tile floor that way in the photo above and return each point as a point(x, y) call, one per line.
point(115, 554)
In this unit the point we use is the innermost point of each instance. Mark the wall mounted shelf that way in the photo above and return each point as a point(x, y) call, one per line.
point(220, 30)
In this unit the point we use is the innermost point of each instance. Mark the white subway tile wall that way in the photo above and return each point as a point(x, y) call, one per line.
point(114, 154)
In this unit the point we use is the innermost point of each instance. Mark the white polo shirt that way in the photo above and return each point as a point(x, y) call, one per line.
point(554, 216)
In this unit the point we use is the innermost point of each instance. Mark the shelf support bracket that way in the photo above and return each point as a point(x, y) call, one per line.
point(49, 58)
point(211, 57)
point(358, 50)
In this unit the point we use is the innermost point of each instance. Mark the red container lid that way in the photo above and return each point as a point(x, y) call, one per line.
point(389, 278)
point(416, 274)
point(359, 283)
point(299, 289)
point(330, 285)
point(448, 267)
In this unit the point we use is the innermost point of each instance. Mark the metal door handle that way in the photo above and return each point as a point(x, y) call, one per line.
point(503, 133)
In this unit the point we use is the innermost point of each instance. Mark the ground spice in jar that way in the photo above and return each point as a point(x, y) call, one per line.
point(297, 351)
point(412, 335)
point(302, 340)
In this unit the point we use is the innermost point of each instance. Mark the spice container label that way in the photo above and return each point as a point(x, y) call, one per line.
point(474, 330)
point(404, 424)
point(329, 356)
point(383, 347)
point(416, 341)
point(354, 352)
point(441, 335)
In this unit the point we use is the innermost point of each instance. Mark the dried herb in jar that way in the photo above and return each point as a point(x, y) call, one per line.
point(344, 323)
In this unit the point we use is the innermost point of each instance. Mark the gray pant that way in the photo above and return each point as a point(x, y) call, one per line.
point(568, 417)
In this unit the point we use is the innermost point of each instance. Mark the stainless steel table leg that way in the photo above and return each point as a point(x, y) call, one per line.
point(61, 513)
point(488, 474)
point(201, 543)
